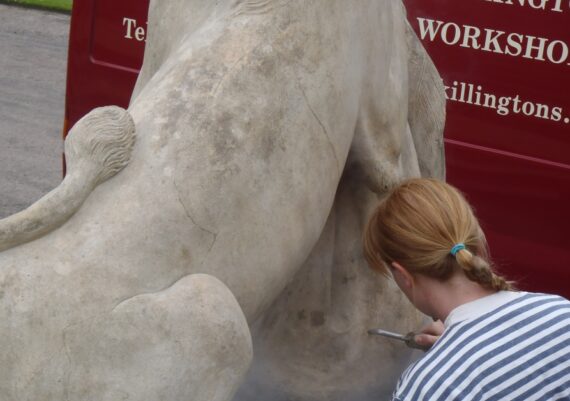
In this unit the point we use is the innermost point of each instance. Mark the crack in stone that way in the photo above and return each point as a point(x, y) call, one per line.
point(67, 351)
point(68, 357)
point(187, 212)
point(232, 68)
point(322, 126)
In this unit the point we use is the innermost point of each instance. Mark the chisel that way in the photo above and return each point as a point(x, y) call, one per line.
point(408, 338)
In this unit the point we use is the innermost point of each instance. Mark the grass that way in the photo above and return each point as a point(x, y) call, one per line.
point(60, 5)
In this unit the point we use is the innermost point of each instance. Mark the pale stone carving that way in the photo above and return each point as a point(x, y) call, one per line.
point(266, 130)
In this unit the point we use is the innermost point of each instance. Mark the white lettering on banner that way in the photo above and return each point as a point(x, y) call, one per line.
point(472, 94)
point(495, 41)
point(133, 30)
point(546, 5)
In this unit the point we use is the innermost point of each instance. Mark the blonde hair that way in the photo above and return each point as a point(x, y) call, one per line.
point(419, 223)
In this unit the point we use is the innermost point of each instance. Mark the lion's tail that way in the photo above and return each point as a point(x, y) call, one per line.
point(98, 147)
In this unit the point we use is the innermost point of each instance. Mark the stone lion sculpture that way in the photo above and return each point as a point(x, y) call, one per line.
point(265, 130)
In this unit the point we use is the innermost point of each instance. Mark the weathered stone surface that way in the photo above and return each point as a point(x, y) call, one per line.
point(266, 130)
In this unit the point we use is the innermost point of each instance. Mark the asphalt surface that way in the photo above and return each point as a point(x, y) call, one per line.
point(33, 58)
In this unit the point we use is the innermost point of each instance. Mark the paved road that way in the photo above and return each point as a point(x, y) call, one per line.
point(33, 54)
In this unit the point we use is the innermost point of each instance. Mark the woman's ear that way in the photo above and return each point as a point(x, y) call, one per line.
point(403, 278)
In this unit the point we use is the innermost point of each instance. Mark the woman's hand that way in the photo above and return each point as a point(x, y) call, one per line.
point(429, 334)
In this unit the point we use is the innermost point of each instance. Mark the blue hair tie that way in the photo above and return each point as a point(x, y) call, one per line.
point(457, 248)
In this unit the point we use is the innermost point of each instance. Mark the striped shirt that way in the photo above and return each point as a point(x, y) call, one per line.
point(517, 351)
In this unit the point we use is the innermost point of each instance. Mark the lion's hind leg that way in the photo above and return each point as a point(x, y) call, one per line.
point(188, 342)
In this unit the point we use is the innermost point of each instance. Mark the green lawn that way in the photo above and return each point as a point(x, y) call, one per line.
point(62, 5)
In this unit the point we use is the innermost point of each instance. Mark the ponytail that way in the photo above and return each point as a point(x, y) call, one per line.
point(427, 226)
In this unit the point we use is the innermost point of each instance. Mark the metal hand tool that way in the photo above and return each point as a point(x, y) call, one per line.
point(408, 338)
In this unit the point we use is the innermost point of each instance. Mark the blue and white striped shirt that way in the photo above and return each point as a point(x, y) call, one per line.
point(519, 351)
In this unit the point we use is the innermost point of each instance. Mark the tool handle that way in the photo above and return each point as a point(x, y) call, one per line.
point(411, 342)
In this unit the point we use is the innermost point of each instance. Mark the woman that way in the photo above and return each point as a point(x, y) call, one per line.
point(497, 343)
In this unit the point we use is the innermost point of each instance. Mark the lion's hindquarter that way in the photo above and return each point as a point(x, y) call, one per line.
point(253, 119)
